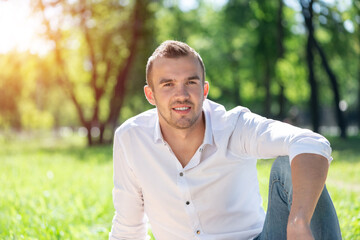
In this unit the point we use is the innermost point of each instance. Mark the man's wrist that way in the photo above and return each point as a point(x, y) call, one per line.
point(298, 219)
point(299, 228)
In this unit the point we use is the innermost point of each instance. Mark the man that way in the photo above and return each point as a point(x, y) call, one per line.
point(190, 165)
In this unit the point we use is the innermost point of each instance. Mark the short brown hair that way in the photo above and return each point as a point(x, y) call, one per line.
point(172, 49)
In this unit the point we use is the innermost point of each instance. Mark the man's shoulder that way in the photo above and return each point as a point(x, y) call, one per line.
point(220, 117)
point(144, 121)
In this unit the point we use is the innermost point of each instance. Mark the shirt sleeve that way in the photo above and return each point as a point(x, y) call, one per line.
point(266, 138)
point(129, 221)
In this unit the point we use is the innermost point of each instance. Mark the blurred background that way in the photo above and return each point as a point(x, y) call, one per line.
point(71, 71)
point(79, 65)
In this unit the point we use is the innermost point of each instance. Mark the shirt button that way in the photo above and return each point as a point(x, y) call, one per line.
point(187, 202)
point(181, 174)
point(200, 150)
point(198, 232)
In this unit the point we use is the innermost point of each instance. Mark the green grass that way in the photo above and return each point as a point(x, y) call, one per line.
point(56, 188)
point(55, 191)
point(344, 185)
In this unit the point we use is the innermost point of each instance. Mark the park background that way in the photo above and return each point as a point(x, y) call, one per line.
point(71, 71)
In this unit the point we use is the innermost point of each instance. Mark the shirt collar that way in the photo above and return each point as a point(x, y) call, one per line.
point(157, 132)
point(208, 138)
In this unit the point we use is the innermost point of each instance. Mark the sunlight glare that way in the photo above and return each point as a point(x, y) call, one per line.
point(19, 30)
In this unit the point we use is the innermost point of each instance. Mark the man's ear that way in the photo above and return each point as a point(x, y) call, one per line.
point(206, 89)
point(149, 94)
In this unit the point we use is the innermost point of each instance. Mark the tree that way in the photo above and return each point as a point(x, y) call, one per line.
point(314, 102)
point(95, 55)
point(356, 5)
point(280, 55)
point(307, 10)
point(10, 91)
point(266, 53)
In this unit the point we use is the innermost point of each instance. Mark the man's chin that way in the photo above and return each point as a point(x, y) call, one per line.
point(183, 124)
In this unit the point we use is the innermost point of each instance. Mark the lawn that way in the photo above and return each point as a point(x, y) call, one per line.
point(56, 188)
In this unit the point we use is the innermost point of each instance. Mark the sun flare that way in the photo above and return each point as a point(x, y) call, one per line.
point(19, 30)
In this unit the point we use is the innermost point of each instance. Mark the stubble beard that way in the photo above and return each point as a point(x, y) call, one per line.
point(183, 122)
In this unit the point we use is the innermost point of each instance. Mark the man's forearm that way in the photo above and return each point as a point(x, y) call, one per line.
point(309, 173)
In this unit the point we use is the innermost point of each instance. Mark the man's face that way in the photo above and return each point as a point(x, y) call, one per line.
point(177, 91)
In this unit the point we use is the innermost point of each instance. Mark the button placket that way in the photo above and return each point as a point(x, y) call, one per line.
point(186, 196)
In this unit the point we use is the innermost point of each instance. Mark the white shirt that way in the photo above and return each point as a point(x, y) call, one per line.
point(216, 195)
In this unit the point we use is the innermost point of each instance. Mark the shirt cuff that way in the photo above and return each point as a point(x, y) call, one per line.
point(311, 145)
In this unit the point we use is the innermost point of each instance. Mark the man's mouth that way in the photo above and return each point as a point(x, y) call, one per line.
point(182, 108)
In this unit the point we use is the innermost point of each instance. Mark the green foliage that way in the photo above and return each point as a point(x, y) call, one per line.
point(239, 43)
point(10, 90)
point(56, 188)
point(26, 92)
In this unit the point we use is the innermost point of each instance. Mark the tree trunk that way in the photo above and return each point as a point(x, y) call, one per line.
point(119, 89)
point(314, 102)
point(102, 130)
point(358, 112)
point(88, 135)
point(335, 86)
point(281, 51)
point(358, 104)
point(307, 11)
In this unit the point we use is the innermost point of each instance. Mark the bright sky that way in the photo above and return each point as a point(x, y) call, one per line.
point(18, 31)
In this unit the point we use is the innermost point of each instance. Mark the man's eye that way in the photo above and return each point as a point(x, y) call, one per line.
point(192, 82)
point(167, 85)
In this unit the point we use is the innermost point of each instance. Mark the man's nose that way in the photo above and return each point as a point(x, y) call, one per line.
point(182, 91)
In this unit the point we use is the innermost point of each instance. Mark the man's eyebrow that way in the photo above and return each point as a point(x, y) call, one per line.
point(165, 80)
point(194, 77)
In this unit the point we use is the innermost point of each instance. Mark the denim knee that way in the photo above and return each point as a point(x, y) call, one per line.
point(281, 170)
point(280, 177)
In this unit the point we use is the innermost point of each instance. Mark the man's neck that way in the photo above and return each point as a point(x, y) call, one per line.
point(184, 142)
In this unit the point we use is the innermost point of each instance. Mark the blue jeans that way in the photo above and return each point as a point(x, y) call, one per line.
point(324, 223)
